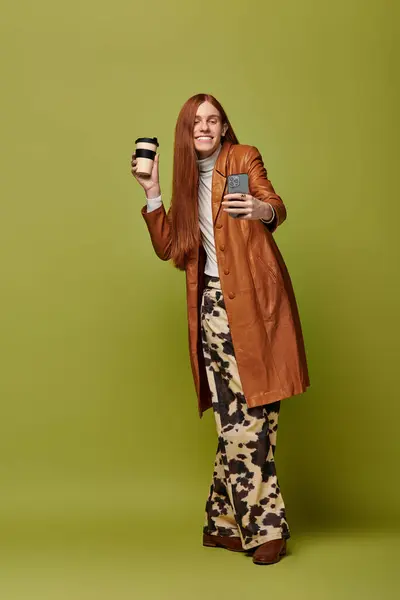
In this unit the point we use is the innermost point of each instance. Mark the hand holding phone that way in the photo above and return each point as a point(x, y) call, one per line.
point(238, 184)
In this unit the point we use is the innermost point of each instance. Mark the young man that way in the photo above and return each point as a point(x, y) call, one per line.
point(245, 339)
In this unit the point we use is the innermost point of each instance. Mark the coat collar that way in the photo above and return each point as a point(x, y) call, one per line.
point(219, 179)
point(221, 161)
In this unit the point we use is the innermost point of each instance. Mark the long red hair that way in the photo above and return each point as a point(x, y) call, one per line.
point(183, 213)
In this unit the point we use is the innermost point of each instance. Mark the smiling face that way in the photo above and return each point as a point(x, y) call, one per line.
point(208, 129)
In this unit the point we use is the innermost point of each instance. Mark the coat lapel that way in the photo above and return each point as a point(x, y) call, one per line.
point(219, 179)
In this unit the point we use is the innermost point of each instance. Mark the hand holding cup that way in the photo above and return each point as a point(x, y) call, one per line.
point(144, 165)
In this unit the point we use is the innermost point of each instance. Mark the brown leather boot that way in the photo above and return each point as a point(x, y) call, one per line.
point(217, 541)
point(270, 552)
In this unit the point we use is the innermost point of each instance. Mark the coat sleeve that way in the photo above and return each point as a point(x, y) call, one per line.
point(261, 187)
point(160, 231)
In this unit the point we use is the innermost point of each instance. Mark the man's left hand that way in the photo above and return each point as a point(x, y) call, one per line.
point(247, 207)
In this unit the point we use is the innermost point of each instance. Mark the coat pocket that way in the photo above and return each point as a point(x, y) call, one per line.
point(271, 270)
point(271, 290)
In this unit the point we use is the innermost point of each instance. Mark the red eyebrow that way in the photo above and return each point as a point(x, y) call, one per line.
point(209, 117)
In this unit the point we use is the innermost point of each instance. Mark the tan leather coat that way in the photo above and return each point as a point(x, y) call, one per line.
point(259, 298)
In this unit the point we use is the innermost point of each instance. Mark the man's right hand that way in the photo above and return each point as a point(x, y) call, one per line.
point(151, 185)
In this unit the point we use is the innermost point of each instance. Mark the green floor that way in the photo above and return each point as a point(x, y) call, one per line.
point(116, 560)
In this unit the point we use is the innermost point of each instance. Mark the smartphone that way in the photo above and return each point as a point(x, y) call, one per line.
point(238, 184)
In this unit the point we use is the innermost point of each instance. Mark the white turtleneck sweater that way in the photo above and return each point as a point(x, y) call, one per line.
point(206, 168)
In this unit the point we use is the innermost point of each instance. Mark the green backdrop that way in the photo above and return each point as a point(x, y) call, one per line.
point(99, 428)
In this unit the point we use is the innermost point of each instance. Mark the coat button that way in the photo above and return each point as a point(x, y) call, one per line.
point(219, 225)
point(226, 271)
point(222, 247)
point(231, 295)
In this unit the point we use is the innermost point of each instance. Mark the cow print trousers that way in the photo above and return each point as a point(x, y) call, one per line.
point(245, 499)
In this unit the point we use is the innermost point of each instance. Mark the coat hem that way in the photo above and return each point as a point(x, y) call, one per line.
point(274, 396)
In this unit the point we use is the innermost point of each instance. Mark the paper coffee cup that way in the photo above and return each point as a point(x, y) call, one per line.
point(146, 149)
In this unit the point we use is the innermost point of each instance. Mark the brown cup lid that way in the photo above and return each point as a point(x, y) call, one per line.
point(148, 140)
